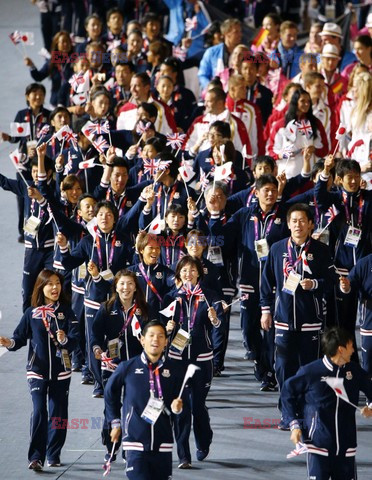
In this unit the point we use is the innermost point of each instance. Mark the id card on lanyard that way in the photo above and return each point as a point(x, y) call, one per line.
point(353, 234)
point(107, 273)
point(293, 280)
point(155, 406)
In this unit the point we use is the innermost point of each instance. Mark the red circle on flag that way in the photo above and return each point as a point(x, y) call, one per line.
point(24, 38)
point(20, 129)
point(64, 133)
point(341, 130)
point(224, 171)
point(155, 226)
point(137, 325)
point(338, 390)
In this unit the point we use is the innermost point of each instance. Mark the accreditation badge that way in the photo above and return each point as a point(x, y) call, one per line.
point(180, 341)
point(292, 283)
point(66, 359)
point(353, 236)
point(32, 225)
point(107, 274)
point(262, 248)
point(153, 410)
point(113, 346)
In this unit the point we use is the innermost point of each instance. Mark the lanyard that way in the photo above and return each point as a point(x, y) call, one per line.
point(194, 312)
point(167, 253)
point(122, 201)
point(299, 258)
point(347, 211)
point(155, 374)
point(149, 282)
point(99, 253)
point(128, 319)
point(174, 188)
point(250, 196)
point(268, 228)
point(317, 216)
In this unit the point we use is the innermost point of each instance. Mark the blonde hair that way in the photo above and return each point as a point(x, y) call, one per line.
point(363, 104)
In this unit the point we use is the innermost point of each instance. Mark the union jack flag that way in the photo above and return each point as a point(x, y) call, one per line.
point(191, 23)
point(71, 137)
point(100, 145)
point(287, 268)
point(102, 128)
point(179, 53)
point(175, 140)
point(163, 165)
point(288, 151)
point(16, 37)
point(76, 80)
point(142, 127)
point(107, 362)
point(332, 213)
point(68, 165)
point(203, 179)
point(43, 131)
point(304, 127)
point(192, 291)
point(150, 166)
point(44, 311)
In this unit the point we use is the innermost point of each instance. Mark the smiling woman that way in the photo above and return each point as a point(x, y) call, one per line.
point(52, 329)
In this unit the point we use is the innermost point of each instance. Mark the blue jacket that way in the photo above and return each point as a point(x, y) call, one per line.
point(345, 257)
point(329, 422)
point(162, 279)
point(43, 361)
point(302, 311)
point(44, 237)
point(200, 349)
point(361, 280)
point(57, 77)
point(289, 59)
point(240, 233)
point(108, 325)
point(208, 64)
point(134, 376)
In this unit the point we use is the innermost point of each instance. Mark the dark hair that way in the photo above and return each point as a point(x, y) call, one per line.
point(69, 182)
point(153, 323)
point(319, 167)
point(208, 37)
point(33, 87)
point(274, 17)
point(365, 40)
point(158, 48)
point(333, 338)
point(150, 17)
point(48, 163)
point(263, 159)
point(165, 77)
point(157, 143)
point(138, 294)
point(59, 109)
point(121, 163)
point(94, 16)
point(186, 260)
point(145, 79)
point(173, 167)
point(218, 93)
point(266, 179)
point(176, 208)
point(223, 128)
point(292, 111)
point(98, 92)
point(109, 206)
point(308, 57)
point(79, 124)
point(300, 207)
point(345, 166)
point(150, 109)
point(83, 197)
point(37, 298)
point(126, 63)
point(135, 32)
point(112, 11)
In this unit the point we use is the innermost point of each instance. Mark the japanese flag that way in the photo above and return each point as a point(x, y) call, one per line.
point(337, 385)
point(341, 132)
point(62, 132)
point(157, 225)
point(136, 327)
point(79, 99)
point(186, 173)
point(87, 164)
point(83, 87)
point(92, 227)
point(223, 171)
point(20, 129)
point(169, 311)
point(291, 130)
point(17, 157)
point(305, 267)
point(27, 38)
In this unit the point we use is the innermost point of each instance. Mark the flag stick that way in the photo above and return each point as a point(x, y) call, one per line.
point(62, 145)
point(23, 178)
point(110, 138)
point(335, 150)
point(200, 196)
point(187, 190)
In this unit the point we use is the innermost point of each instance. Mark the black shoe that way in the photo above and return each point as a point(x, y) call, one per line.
point(21, 239)
point(268, 387)
point(202, 454)
point(283, 425)
point(76, 368)
point(97, 394)
point(35, 465)
point(87, 380)
point(184, 465)
point(257, 371)
point(249, 356)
